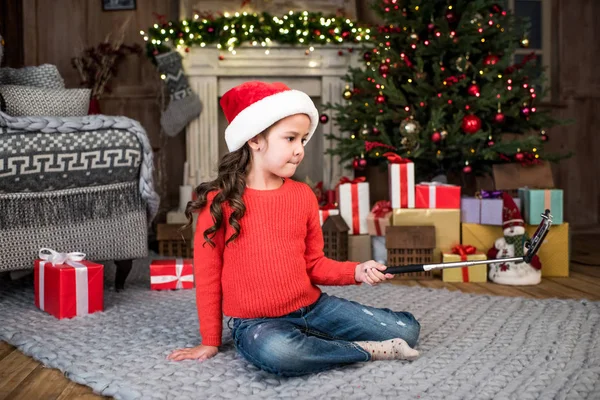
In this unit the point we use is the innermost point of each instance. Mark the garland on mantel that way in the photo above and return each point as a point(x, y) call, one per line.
point(230, 31)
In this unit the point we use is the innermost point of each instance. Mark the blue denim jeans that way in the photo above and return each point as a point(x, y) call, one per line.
point(320, 336)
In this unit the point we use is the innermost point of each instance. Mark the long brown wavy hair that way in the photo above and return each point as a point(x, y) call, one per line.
point(230, 185)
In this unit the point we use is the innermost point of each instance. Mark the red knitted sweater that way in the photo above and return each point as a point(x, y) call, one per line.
point(271, 268)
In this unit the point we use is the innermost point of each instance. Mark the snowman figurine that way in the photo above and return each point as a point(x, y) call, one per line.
point(513, 245)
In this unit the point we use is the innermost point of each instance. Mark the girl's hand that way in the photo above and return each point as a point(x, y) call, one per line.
point(199, 353)
point(369, 273)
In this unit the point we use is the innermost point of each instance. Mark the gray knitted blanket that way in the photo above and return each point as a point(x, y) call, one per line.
point(473, 347)
point(13, 128)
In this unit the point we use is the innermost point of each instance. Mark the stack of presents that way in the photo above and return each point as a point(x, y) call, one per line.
point(432, 222)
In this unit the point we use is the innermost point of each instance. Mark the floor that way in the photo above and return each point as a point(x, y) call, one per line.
point(21, 377)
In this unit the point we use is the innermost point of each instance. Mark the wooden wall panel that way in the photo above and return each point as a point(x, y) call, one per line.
point(578, 87)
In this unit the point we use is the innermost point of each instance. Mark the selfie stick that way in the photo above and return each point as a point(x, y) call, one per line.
point(531, 245)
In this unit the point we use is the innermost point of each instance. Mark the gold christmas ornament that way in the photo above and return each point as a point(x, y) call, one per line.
point(347, 94)
point(414, 36)
point(525, 42)
point(410, 128)
point(365, 131)
point(444, 133)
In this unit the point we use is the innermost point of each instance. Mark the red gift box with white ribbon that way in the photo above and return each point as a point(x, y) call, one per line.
point(353, 203)
point(66, 285)
point(172, 274)
point(401, 175)
point(437, 195)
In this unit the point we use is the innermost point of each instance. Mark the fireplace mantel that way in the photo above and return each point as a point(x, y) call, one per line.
point(212, 72)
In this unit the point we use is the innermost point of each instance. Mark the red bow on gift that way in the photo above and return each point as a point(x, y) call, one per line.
point(345, 179)
point(381, 208)
point(394, 158)
point(463, 250)
point(328, 206)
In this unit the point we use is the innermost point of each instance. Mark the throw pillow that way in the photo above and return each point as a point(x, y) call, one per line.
point(23, 101)
point(45, 75)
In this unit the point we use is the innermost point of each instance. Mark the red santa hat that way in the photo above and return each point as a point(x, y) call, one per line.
point(254, 106)
point(511, 216)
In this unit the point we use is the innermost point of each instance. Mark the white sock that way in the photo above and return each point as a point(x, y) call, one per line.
point(393, 349)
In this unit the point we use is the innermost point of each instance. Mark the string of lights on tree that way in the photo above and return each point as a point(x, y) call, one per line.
point(439, 87)
point(229, 31)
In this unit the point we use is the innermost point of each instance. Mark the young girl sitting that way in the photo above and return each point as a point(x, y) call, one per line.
point(258, 252)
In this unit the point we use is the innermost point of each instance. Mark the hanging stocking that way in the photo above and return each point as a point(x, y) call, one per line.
point(184, 104)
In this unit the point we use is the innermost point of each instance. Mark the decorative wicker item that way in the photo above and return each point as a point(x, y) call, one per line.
point(410, 245)
point(335, 237)
point(171, 243)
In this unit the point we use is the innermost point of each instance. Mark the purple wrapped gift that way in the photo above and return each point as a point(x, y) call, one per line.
point(484, 210)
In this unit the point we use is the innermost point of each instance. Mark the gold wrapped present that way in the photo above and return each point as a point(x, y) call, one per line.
point(554, 253)
point(475, 273)
point(446, 222)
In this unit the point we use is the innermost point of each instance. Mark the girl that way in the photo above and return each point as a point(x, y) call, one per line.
point(258, 252)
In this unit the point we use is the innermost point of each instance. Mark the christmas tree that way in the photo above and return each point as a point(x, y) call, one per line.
point(439, 86)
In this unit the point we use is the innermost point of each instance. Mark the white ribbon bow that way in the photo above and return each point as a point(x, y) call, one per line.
point(177, 277)
point(81, 276)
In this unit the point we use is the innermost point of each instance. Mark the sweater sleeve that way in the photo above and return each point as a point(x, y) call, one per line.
point(323, 270)
point(208, 263)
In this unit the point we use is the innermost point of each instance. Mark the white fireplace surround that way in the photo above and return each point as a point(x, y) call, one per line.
point(319, 74)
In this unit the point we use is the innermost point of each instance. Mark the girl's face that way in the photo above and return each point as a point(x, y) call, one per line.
point(282, 150)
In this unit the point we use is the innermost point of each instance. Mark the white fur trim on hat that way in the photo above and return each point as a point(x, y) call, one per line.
point(260, 115)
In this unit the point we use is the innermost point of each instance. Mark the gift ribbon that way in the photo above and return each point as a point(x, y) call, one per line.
point(547, 200)
point(325, 212)
point(81, 276)
point(177, 277)
point(380, 210)
point(489, 194)
point(394, 158)
point(464, 250)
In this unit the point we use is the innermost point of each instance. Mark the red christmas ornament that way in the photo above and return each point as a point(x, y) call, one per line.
point(519, 156)
point(491, 59)
point(317, 32)
point(496, 8)
point(211, 29)
point(525, 111)
point(367, 56)
point(359, 164)
point(431, 26)
point(473, 90)
point(384, 69)
point(187, 49)
point(544, 138)
point(451, 16)
point(380, 99)
point(471, 124)
point(324, 118)
point(221, 58)
point(490, 143)
point(467, 169)
point(499, 118)
point(436, 137)
point(376, 131)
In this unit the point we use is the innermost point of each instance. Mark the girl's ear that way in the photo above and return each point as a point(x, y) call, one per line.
point(256, 143)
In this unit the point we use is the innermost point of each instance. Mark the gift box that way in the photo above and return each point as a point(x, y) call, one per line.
point(475, 273)
point(536, 201)
point(354, 204)
point(379, 217)
point(359, 248)
point(401, 175)
point(326, 212)
point(446, 222)
point(554, 253)
point(66, 285)
point(177, 273)
point(485, 208)
point(437, 195)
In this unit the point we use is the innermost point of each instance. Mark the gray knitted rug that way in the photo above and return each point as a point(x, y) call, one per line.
point(473, 347)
